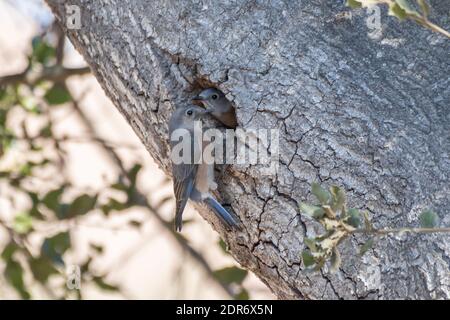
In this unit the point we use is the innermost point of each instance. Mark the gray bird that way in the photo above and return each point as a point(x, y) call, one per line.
point(193, 179)
point(220, 107)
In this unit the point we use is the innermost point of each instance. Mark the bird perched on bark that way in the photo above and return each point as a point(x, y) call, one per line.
point(220, 107)
point(193, 178)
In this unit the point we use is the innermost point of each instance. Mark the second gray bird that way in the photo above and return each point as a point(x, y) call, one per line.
point(191, 179)
point(221, 108)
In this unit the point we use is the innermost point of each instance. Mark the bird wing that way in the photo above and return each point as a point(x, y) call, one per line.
point(184, 175)
point(183, 183)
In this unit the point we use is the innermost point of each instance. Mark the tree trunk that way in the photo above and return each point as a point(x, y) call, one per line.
point(370, 115)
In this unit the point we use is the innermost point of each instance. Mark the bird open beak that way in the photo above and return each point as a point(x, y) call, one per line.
point(197, 100)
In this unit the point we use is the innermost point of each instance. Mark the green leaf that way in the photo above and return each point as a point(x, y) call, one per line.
point(3, 94)
point(308, 259)
point(132, 174)
point(132, 177)
point(312, 211)
point(113, 205)
point(367, 223)
point(33, 197)
point(230, 275)
point(58, 94)
point(335, 260)
point(23, 223)
point(353, 4)
point(52, 199)
point(42, 51)
point(9, 250)
point(6, 141)
point(321, 194)
point(242, 295)
point(46, 132)
point(29, 103)
point(62, 212)
point(36, 213)
point(26, 169)
point(14, 275)
point(42, 268)
point(429, 219)
point(311, 244)
point(80, 206)
point(424, 6)
point(119, 186)
point(54, 247)
point(397, 11)
point(338, 198)
point(8, 97)
point(366, 246)
point(405, 5)
point(103, 285)
point(353, 218)
point(223, 246)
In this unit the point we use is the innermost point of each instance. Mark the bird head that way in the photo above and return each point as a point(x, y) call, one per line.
point(209, 98)
point(187, 116)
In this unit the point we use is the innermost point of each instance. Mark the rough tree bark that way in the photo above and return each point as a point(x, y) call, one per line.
point(370, 114)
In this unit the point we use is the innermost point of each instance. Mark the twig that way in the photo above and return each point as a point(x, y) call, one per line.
point(81, 139)
point(401, 230)
point(421, 19)
point(60, 43)
point(55, 73)
point(430, 25)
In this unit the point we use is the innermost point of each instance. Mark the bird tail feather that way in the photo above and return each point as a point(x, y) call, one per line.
point(229, 219)
point(180, 205)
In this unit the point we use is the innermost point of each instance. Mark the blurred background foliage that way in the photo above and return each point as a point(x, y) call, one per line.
point(41, 206)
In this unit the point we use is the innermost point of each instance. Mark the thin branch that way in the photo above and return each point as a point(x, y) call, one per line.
point(111, 144)
point(401, 230)
point(55, 73)
point(13, 79)
point(82, 139)
point(430, 25)
point(60, 43)
point(421, 19)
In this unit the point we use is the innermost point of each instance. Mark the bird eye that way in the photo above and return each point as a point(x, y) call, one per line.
point(189, 112)
point(214, 96)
